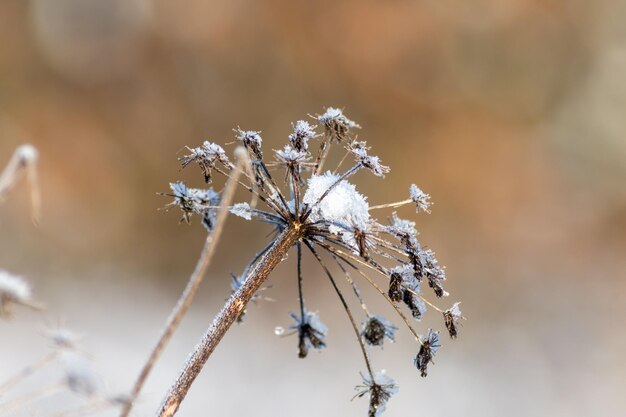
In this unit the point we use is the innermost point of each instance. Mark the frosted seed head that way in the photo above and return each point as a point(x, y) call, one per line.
point(252, 141)
point(380, 391)
point(452, 318)
point(311, 332)
point(429, 346)
point(336, 124)
point(370, 162)
point(303, 131)
point(290, 156)
point(376, 329)
point(420, 198)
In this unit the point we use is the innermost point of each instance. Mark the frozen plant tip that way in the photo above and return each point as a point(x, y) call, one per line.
point(313, 209)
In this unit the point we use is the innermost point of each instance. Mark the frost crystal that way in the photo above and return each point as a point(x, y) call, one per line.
point(420, 198)
point(13, 290)
point(343, 205)
point(379, 390)
point(242, 210)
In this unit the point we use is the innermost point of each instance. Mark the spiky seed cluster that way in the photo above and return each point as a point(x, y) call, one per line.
point(336, 125)
point(452, 318)
point(420, 198)
point(376, 329)
point(206, 156)
point(195, 201)
point(303, 132)
point(333, 217)
point(430, 344)
point(252, 141)
point(380, 388)
point(311, 332)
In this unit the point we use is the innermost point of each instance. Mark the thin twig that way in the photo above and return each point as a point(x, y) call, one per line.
point(226, 317)
point(24, 159)
point(28, 371)
point(194, 282)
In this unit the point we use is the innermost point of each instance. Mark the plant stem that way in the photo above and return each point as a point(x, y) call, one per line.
point(195, 280)
point(226, 317)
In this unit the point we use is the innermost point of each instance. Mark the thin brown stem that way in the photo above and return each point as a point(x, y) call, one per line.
point(195, 280)
point(226, 317)
point(29, 370)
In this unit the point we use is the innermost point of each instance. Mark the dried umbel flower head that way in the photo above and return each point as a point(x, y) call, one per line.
point(324, 212)
point(14, 290)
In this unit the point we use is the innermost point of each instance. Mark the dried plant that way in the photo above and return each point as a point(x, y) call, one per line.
point(323, 213)
point(77, 376)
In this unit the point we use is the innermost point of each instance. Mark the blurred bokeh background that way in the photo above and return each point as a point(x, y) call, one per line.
point(511, 114)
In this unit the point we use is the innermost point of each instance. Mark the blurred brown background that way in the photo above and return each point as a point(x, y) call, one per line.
point(511, 114)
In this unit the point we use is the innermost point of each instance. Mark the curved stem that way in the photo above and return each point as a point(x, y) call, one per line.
point(225, 318)
point(189, 293)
